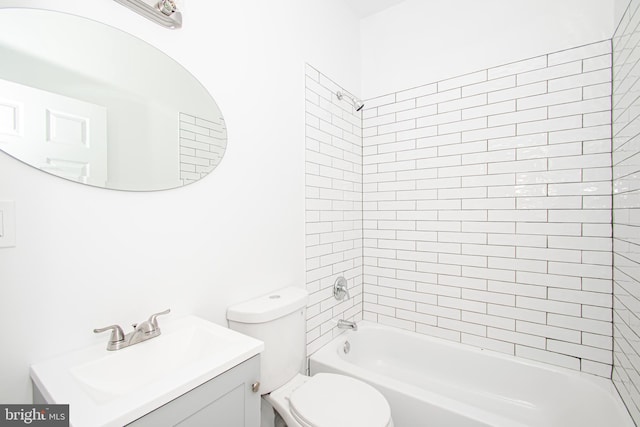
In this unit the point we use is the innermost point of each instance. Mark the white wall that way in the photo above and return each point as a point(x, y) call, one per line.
point(333, 207)
point(626, 203)
point(487, 209)
point(87, 257)
point(620, 7)
point(418, 42)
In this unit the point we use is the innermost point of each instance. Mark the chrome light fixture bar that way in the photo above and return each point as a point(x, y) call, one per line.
point(162, 12)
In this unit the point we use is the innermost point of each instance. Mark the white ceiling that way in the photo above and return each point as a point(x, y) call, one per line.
point(364, 8)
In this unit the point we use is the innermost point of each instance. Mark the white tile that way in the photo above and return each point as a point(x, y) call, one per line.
point(493, 203)
point(521, 141)
point(488, 343)
point(436, 119)
point(436, 141)
point(560, 229)
point(435, 331)
point(489, 156)
point(576, 189)
point(581, 107)
point(441, 96)
point(558, 176)
point(397, 126)
point(581, 243)
point(459, 104)
point(397, 106)
point(489, 133)
point(517, 264)
point(413, 113)
point(548, 331)
point(489, 180)
point(583, 134)
point(596, 91)
point(551, 72)
point(462, 282)
point(516, 337)
point(597, 119)
point(468, 170)
point(381, 100)
point(490, 109)
point(518, 166)
point(586, 161)
point(597, 63)
point(580, 80)
point(587, 51)
point(548, 357)
point(569, 149)
point(416, 92)
point(489, 86)
point(464, 80)
point(550, 255)
point(373, 121)
point(584, 352)
point(581, 270)
point(518, 117)
point(563, 123)
point(417, 133)
point(596, 368)
point(518, 67)
point(516, 313)
point(517, 92)
point(548, 306)
point(553, 98)
point(456, 325)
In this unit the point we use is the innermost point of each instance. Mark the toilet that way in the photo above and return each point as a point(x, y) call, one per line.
point(323, 400)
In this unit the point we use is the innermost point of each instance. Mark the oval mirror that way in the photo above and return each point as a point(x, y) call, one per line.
point(93, 104)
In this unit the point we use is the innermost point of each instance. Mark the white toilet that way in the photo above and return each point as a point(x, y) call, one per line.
point(323, 400)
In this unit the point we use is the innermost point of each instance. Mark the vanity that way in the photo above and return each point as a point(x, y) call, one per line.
point(195, 373)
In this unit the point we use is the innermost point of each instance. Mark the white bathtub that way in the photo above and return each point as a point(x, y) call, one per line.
point(435, 383)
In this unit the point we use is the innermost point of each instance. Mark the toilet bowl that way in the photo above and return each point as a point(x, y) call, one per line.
point(330, 400)
point(322, 400)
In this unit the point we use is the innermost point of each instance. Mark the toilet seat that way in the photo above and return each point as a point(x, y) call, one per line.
point(338, 401)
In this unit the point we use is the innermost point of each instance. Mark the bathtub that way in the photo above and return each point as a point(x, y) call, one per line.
point(436, 383)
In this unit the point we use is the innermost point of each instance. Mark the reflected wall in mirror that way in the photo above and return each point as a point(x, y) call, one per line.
point(93, 104)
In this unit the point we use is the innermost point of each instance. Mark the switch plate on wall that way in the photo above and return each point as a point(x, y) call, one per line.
point(7, 223)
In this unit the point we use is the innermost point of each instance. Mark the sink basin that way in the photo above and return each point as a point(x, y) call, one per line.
point(105, 388)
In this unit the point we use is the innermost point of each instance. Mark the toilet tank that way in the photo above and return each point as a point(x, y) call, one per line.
point(279, 320)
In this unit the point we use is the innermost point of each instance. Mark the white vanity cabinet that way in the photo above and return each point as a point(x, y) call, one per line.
point(196, 373)
point(226, 401)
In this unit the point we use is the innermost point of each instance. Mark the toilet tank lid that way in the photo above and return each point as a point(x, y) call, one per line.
point(269, 307)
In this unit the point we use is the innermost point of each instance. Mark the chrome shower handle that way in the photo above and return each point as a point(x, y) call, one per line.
point(340, 290)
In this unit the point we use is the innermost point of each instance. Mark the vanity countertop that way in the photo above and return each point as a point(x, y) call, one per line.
point(113, 388)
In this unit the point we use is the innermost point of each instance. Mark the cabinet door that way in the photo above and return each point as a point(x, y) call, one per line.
point(224, 401)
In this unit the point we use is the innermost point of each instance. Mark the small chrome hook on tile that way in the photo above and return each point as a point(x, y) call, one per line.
point(340, 290)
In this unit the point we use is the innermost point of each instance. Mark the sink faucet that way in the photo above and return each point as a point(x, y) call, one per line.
point(347, 324)
point(141, 332)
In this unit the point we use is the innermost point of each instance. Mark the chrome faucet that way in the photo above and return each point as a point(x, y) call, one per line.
point(141, 332)
point(347, 324)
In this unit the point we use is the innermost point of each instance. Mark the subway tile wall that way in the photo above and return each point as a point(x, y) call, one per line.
point(487, 209)
point(626, 205)
point(202, 145)
point(333, 207)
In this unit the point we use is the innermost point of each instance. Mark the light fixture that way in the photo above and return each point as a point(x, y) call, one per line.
point(162, 12)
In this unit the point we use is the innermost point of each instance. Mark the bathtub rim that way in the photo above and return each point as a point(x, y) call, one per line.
point(328, 355)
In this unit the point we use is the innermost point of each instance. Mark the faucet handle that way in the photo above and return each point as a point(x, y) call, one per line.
point(153, 319)
point(117, 335)
point(340, 289)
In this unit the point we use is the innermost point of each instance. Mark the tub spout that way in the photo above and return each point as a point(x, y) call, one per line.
point(346, 324)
